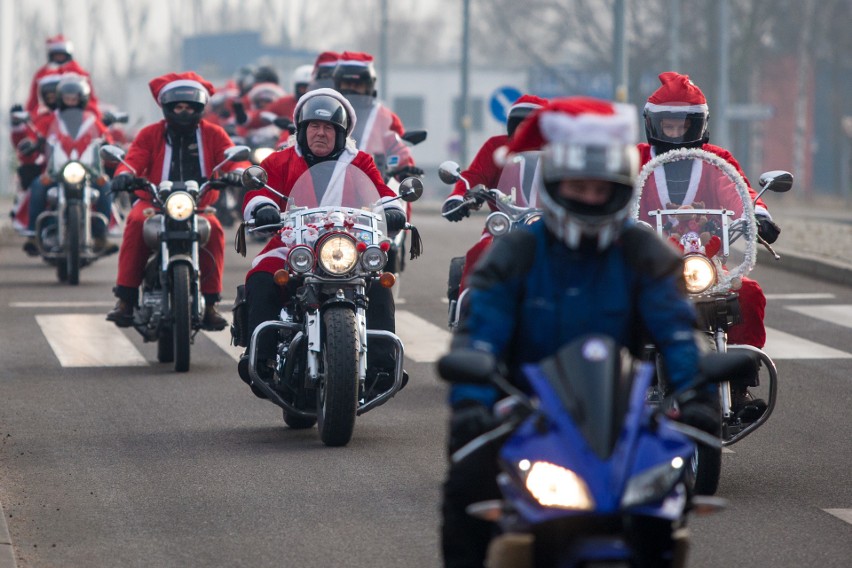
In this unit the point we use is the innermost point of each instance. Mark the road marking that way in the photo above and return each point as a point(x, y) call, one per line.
point(842, 514)
point(223, 340)
point(60, 304)
point(780, 345)
point(86, 340)
point(7, 551)
point(727, 450)
point(424, 342)
point(801, 296)
point(839, 314)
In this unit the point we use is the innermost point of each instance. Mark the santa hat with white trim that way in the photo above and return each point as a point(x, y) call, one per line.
point(677, 94)
point(355, 66)
point(58, 44)
point(678, 97)
point(324, 64)
point(187, 87)
point(521, 109)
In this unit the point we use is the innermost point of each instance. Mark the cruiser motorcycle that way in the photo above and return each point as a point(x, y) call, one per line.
point(510, 204)
point(337, 249)
point(718, 238)
point(584, 465)
point(172, 306)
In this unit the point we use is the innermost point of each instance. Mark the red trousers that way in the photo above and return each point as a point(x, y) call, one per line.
point(134, 254)
point(472, 256)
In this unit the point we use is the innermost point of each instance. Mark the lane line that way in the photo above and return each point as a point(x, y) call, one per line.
point(838, 314)
point(781, 345)
point(842, 514)
point(7, 551)
point(424, 342)
point(60, 304)
point(801, 296)
point(88, 340)
point(223, 340)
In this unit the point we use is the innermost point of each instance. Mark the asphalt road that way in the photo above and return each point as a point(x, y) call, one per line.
point(136, 465)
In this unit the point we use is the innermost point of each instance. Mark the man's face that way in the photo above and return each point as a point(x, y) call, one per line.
point(320, 135)
point(358, 87)
point(58, 57)
point(674, 127)
point(183, 108)
point(70, 100)
point(586, 191)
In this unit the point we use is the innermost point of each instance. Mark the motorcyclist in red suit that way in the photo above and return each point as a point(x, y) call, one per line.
point(181, 147)
point(60, 60)
point(676, 116)
point(324, 121)
point(485, 170)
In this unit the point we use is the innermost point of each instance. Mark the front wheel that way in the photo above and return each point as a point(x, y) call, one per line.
point(337, 395)
point(707, 468)
point(73, 229)
point(181, 316)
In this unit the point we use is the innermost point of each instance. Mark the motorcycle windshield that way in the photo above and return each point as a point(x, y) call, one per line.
point(521, 179)
point(335, 194)
point(373, 132)
point(700, 203)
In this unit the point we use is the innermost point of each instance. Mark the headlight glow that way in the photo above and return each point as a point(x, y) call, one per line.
point(498, 224)
point(260, 154)
point(73, 173)
point(652, 484)
point(555, 486)
point(301, 259)
point(532, 219)
point(180, 206)
point(338, 255)
point(698, 273)
point(373, 258)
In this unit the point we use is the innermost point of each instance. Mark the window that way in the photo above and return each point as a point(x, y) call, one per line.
point(410, 111)
point(475, 109)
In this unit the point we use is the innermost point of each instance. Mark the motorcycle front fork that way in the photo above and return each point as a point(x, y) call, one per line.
point(720, 339)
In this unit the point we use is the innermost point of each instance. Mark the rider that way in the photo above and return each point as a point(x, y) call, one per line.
point(586, 269)
point(324, 66)
point(324, 122)
point(485, 170)
point(60, 60)
point(676, 116)
point(179, 148)
point(72, 91)
point(286, 104)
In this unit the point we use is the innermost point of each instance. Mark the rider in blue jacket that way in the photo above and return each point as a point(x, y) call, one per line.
point(587, 268)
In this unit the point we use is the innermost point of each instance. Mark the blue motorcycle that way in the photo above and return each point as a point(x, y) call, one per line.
point(589, 472)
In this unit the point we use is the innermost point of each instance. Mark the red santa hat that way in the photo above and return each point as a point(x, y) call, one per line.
point(326, 59)
point(581, 120)
point(356, 59)
point(677, 94)
point(163, 84)
point(58, 44)
point(527, 102)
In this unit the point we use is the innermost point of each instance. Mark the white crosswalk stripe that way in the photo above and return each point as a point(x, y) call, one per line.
point(840, 314)
point(781, 345)
point(424, 342)
point(88, 340)
point(842, 514)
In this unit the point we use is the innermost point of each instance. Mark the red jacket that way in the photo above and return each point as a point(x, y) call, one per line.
point(58, 140)
point(150, 156)
point(34, 105)
point(483, 169)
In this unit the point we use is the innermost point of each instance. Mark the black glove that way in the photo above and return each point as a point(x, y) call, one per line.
point(16, 108)
point(395, 218)
point(766, 229)
point(469, 419)
point(407, 171)
point(232, 178)
point(16, 120)
point(108, 118)
point(266, 215)
point(239, 111)
point(455, 216)
point(28, 146)
point(701, 410)
point(121, 182)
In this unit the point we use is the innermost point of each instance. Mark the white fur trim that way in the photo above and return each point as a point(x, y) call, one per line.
point(653, 107)
point(590, 129)
point(254, 203)
point(281, 252)
point(387, 203)
point(333, 94)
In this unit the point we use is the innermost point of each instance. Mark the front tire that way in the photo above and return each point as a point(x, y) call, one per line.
point(73, 228)
point(166, 346)
point(181, 316)
point(299, 422)
point(708, 469)
point(337, 395)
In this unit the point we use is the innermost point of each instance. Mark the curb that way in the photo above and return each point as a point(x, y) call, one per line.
point(823, 268)
point(7, 551)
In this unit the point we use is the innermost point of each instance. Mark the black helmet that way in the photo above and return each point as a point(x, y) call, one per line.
point(266, 74)
point(195, 96)
point(73, 85)
point(681, 104)
point(357, 68)
point(520, 109)
point(46, 88)
point(323, 105)
point(244, 78)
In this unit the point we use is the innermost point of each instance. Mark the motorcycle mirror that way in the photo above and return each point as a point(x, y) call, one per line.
point(120, 117)
point(411, 189)
point(777, 180)
point(254, 177)
point(237, 153)
point(467, 366)
point(414, 137)
point(449, 172)
point(111, 153)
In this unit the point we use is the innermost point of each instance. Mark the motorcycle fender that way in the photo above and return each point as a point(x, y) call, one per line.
point(313, 328)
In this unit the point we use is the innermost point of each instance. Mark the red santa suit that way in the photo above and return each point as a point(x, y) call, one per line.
point(151, 156)
point(34, 104)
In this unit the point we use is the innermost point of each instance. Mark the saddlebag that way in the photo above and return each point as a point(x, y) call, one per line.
point(239, 327)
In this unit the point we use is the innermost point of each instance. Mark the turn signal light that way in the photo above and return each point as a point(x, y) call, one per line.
point(387, 279)
point(281, 277)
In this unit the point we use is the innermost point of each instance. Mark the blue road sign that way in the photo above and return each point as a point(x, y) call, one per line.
point(501, 100)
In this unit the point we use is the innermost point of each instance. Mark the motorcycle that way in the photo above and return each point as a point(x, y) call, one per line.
point(63, 231)
point(510, 203)
point(718, 239)
point(336, 251)
point(584, 463)
point(172, 306)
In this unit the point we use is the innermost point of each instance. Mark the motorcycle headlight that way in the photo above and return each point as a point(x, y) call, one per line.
point(652, 484)
point(301, 259)
point(180, 206)
point(73, 173)
point(498, 224)
point(373, 258)
point(338, 255)
point(698, 273)
point(260, 154)
point(535, 218)
point(555, 486)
